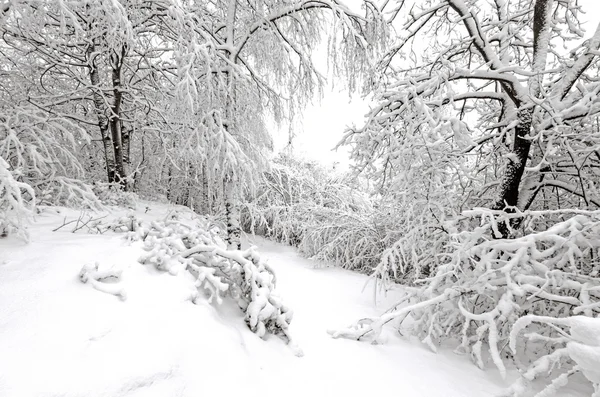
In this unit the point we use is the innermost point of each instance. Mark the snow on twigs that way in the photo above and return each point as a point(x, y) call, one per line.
point(104, 280)
point(45, 153)
point(577, 351)
point(243, 276)
point(488, 287)
point(98, 224)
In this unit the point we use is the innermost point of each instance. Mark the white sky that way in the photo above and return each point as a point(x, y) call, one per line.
point(324, 122)
point(322, 126)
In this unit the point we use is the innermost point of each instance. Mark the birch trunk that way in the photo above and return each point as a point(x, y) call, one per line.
point(231, 192)
point(115, 119)
point(101, 110)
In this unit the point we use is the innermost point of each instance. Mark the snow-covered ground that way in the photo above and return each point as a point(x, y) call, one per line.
point(61, 337)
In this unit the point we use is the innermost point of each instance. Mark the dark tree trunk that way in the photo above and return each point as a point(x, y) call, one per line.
point(169, 183)
point(205, 202)
point(232, 215)
point(126, 137)
point(513, 175)
point(509, 189)
point(101, 111)
point(116, 60)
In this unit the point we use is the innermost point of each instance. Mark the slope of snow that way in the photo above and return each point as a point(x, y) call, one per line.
point(61, 337)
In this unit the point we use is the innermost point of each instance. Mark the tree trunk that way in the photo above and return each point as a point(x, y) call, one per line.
point(126, 137)
point(232, 214)
point(115, 118)
point(205, 207)
point(231, 199)
point(169, 183)
point(513, 175)
point(509, 189)
point(101, 111)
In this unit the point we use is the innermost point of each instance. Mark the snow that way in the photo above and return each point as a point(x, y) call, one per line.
point(587, 357)
point(585, 349)
point(60, 336)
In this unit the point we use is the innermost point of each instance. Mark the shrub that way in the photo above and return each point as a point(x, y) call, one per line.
point(486, 284)
point(325, 216)
point(17, 201)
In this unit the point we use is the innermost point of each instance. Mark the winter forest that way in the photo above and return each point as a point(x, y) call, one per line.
point(154, 241)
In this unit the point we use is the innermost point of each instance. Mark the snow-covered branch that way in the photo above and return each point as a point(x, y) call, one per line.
point(241, 275)
point(573, 352)
point(484, 291)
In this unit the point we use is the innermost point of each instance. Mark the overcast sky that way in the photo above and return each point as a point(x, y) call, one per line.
point(324, 122)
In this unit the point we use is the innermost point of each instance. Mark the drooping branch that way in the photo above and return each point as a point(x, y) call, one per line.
point(582, 63)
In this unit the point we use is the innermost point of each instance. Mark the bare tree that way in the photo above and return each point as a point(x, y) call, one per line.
point(485, 120)
point(497, 96)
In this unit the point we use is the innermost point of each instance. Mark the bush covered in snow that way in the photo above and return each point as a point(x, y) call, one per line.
point(394, 237)
point(485, 284)
point(46, 154)
point(112, 194)
point(327, 217)
point(17, 201)
point(243, 276)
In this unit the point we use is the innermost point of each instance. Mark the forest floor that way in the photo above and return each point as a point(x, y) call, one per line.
point(61, 337)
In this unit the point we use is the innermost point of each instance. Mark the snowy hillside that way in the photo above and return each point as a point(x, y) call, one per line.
point(61, 337)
